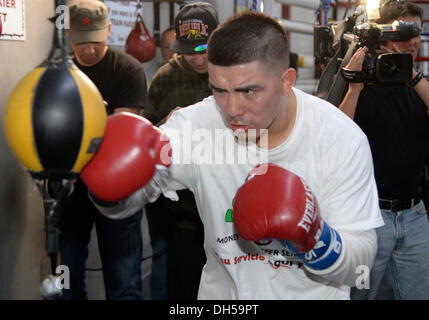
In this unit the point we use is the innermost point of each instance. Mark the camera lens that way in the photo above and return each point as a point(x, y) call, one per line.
point(389, 66)
point(394, 68)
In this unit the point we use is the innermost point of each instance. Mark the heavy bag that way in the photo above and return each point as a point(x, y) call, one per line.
point(1, 27)
point(140, 43)
point(54, 121)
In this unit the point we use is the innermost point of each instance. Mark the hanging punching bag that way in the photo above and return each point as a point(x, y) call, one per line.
point(54, 120)
point(55, 117)
point(140, 43)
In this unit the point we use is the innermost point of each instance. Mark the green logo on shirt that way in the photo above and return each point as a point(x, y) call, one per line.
point(228, 216)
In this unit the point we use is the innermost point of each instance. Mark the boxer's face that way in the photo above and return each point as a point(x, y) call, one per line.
point(251, 95)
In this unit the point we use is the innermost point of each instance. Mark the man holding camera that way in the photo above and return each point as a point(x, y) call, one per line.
point(395, 120)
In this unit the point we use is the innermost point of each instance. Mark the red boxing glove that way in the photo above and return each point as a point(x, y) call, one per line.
point(275, 203)
point(126, 159)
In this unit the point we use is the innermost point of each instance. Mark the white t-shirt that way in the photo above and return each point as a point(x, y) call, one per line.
point(325, 148)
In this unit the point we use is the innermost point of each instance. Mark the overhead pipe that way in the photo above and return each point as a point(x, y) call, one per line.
point(295, 26)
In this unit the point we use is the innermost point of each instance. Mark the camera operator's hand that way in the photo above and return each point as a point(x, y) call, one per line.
point(349, 103)
point(355, 64)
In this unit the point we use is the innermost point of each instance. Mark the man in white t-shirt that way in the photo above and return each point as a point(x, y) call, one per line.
point(283, 180)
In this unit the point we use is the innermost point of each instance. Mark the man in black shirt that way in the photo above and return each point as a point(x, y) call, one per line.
point(395, 120)
point(121, 81)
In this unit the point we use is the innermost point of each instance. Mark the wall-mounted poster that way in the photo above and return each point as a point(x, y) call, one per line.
point(12, 15)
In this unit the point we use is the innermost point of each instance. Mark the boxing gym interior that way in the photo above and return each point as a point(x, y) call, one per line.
point(27, 31)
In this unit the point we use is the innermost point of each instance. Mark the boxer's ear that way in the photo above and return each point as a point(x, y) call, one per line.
point(288, 79)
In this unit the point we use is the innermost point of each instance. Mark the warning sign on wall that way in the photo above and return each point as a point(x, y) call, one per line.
point(12, 16)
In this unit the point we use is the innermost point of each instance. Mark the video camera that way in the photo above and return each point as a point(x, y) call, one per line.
point(384, 68)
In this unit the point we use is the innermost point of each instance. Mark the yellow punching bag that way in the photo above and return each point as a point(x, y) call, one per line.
point(55, 117)
point(55, 120)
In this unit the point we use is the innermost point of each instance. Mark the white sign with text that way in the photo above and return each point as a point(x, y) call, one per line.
point(123, 16)
point(12, 16)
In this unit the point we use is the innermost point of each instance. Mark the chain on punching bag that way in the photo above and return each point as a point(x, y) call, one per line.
point(54, 121)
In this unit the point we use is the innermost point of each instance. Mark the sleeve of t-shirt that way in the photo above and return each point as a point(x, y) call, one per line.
point(350, 197)
point(182, 171)
point(180, 175)
point(349, 204)
point(131, 92)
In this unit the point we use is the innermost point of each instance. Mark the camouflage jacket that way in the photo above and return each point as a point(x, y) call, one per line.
point(174, 84)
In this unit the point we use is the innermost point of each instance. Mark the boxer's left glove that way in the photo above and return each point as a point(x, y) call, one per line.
point(127, 157)
point(274, 203)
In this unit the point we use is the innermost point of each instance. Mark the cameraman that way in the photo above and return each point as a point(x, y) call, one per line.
point(395, 120)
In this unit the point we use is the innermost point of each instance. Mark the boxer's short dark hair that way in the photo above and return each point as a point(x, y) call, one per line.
point(248, 37)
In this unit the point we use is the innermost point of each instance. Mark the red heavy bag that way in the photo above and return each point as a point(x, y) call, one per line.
point(1, 27)
point(139, 43)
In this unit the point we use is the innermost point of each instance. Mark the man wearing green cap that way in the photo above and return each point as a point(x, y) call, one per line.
point(121, 81)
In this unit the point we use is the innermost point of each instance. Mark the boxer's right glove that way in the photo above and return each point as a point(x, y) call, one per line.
point(275, 203)
point(126, 159)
